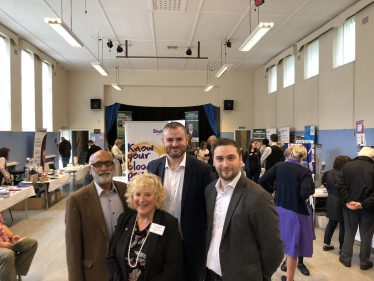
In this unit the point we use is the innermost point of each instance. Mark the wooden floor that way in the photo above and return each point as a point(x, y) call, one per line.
point(49, 264)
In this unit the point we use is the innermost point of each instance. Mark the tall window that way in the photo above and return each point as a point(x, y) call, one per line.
point(5, 100)
point(28, 91)
point(272, 79)
point(344, 43)
point(312, 59)
point(47, 96)
point(288, 71)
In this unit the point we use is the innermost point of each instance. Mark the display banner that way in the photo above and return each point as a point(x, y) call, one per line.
point(122, 117)
point(192, 124)
point(259, 134)
point(310, 134)
point(269, 132)
point(285, 135)
point(40, 144)
point(360, 133)
point(143, 144)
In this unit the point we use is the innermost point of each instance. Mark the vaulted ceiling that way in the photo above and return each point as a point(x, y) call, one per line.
point(153, 25)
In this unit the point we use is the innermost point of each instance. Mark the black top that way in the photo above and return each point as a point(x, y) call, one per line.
point(252, 160)
point(356, 182)
point(334, 203)
point(275, 157)
point(92, 150)
point(138, 254)
point(294, 184)
point(164, 253)
point(64, 148)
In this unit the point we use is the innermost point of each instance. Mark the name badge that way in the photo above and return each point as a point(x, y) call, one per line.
point(157, 228)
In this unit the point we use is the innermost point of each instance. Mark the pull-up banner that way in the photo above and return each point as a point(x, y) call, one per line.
point(40, 144)
point(122, 118)
point(143, 144)
point(192, 125)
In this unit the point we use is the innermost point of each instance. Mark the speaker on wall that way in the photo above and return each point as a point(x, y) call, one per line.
point(228, 105)
point(96, 104)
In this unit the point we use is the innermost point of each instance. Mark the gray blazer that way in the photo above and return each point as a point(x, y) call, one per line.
point(251, 248)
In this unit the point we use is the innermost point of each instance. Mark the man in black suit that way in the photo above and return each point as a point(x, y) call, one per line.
point(184, 179)
point(192, 132)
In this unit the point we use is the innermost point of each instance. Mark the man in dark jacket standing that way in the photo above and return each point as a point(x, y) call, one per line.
point(92, 149)
point(356, 187)
point(64, 150)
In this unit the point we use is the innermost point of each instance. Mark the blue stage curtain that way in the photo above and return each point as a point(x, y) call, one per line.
point(211, 115)
point(111, 115)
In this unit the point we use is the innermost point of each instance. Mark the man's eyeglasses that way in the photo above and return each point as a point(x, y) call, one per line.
point(100, 164)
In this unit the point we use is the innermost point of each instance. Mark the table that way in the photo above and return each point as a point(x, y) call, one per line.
point(79, 172)
point(54, 184)
point(319, 192)
point(16, 197)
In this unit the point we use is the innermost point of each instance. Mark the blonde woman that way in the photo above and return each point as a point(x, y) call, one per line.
point(146, 244)
point(116, 150)
point(294, 185)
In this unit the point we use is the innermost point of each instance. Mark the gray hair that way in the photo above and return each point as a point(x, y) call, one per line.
point(367, 151)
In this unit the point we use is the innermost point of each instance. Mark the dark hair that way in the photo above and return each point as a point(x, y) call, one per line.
point(202, 144)
point(265, 142)
point(274, 137)
point(173, 125)
point(340, 161)
point(250, 145)
point(4, 152)
point(90, 141)
point(226, 141)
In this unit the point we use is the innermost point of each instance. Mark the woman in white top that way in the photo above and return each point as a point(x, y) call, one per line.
point(203, 152)
point(4, 156)
point(116, 150)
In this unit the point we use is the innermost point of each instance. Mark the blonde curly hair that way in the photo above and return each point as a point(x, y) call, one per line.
point(299, 152)
point(146, 180)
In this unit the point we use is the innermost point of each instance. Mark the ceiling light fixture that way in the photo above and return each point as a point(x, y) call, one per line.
point(119, 49)
point(115, 85)
point(61, 28)
point(226, 67)
point(189, 51)
point(259, 32)
point(208, 86)
point(255, 36)
point(99, 66)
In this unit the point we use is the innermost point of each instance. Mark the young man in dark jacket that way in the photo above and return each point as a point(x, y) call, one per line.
point(64, 150)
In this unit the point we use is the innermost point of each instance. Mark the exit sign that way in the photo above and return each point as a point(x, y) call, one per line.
point(241, 127)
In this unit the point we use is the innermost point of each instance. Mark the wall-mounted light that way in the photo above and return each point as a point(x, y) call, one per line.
point(66, 33)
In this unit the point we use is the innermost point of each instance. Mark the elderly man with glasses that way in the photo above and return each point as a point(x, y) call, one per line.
point(91, 218)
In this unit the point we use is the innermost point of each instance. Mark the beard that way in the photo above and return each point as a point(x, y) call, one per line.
point(228, 175)
point(103, 177)
point(176, 155)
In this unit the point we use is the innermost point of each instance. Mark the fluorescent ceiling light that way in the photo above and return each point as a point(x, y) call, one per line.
point(115, 86)
point(224, 68)
point(99, 68)
point(255, 36)
point(65, 32)
point(208, 87)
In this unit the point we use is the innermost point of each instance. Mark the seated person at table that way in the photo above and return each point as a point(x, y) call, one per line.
point(138, 251)
point(4, 156)
point(15, 258)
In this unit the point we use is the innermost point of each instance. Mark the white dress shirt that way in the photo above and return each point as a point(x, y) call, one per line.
point(173, 184)
point(220, 209)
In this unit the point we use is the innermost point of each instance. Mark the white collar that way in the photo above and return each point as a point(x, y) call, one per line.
point(182, 163)
point(233, 183)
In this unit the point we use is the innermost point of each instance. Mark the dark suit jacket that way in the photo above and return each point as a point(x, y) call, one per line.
point(251, 248)
point(87, 241)
point(94, 148)
point(164, 254)
point(197, 176)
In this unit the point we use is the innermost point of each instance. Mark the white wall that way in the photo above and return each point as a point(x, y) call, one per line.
point(334, 99)
point(164, 89)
